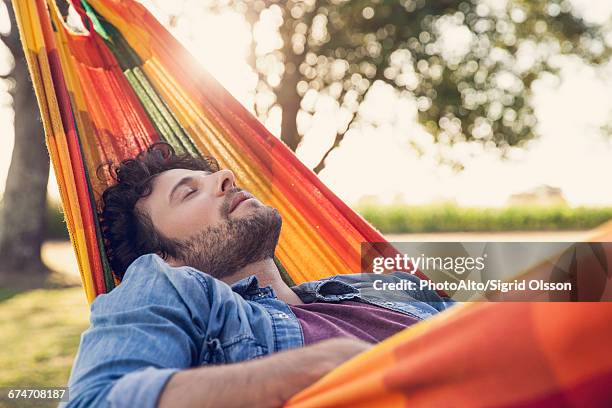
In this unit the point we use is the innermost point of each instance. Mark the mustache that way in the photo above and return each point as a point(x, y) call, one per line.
point(227, 202)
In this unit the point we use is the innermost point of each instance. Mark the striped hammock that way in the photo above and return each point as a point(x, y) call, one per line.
point(108, 93)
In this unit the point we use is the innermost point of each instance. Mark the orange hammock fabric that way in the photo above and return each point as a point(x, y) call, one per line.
point(482, 355)
point(109, 92)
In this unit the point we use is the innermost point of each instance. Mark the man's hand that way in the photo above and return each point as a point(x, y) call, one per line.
point(336, 351)
point(306, 366)
point(265, 382)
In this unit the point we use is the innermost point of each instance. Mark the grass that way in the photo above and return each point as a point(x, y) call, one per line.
point(39, 333)
point(7, 293)
point(396, 219)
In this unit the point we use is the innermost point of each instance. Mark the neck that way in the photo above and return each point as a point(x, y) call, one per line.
point(267, 273)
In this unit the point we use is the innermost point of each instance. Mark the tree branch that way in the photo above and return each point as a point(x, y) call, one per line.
point(339, 137)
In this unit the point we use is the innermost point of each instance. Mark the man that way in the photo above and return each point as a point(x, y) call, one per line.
point(202, 316)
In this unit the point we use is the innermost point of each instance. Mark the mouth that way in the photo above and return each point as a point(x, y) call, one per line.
point(239, 198)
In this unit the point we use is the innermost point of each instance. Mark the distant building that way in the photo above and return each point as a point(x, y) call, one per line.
point(542, 195)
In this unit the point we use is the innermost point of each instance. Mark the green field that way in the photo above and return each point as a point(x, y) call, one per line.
point(397, 219)
point(39, 332)
point(400, 219)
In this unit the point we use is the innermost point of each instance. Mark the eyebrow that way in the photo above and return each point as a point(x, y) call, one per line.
point(185, 180)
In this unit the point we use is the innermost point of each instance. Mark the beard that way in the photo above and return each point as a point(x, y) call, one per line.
point(223, 249)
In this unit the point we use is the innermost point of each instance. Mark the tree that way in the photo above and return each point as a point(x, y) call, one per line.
point(469, 64)
point(23, 210)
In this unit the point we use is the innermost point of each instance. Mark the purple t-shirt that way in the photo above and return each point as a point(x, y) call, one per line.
point(348, 318)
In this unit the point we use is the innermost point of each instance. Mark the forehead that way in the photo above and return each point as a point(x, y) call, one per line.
point(163, 182)
point(161, 185)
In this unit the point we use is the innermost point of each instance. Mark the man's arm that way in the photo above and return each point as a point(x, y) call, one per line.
point(151, 328)
point(266, 382)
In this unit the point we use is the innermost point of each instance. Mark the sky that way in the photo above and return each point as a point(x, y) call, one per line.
point(570, 152)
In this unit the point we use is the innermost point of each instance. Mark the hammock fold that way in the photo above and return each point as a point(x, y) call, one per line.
point(106, 94)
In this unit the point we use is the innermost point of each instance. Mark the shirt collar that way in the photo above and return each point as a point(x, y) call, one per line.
point(327, 289)
point(246, 286)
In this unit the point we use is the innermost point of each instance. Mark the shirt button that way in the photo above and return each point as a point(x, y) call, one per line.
point(283, 315)
point(388, 303)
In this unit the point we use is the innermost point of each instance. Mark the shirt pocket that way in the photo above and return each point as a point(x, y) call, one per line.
point(238, 349)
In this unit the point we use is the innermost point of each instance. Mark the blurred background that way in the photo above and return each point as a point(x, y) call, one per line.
point(436, 120)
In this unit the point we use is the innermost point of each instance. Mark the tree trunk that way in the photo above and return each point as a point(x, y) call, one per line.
point(23, 210)
point(287, 94)
point(289, 101)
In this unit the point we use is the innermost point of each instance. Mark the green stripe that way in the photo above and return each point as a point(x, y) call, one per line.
point(151, 108)
point(161, 116)
point(94, 18)
point(179, 131)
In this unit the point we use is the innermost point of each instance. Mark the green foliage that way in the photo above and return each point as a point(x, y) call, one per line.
point(469, 65)
point(481, 92)
point(39, 333)
point(394, 219)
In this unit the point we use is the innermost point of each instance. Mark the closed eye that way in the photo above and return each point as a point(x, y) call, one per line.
point(193, 190)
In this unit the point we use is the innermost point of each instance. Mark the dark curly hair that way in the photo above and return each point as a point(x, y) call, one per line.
point(127, 232)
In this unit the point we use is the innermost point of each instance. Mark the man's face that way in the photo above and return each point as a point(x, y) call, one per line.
point(217, 227)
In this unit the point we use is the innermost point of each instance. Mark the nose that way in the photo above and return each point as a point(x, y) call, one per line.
point(225, 182)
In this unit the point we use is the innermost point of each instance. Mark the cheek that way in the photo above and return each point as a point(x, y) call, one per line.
point(192, 217)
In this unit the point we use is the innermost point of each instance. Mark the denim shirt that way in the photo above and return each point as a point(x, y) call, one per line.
point(162, 319)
